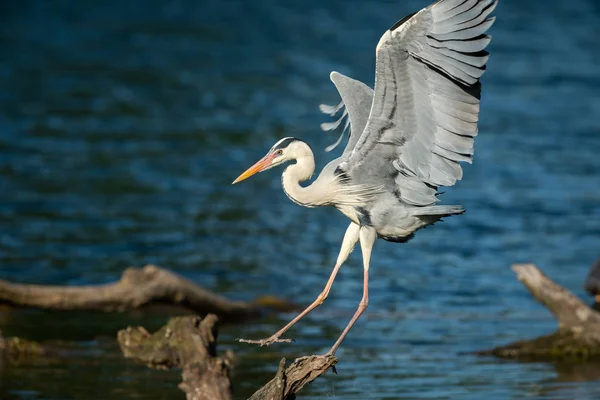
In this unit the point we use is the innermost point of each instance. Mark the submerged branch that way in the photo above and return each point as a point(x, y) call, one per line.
point(16, 349)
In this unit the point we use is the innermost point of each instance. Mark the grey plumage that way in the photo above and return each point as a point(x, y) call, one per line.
point(356, 101)
point(424, 115)
point(406, 137)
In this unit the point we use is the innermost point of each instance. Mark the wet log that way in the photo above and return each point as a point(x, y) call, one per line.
point(289, 381)
point(189, 343)
point(578, 334)
point(137, 288)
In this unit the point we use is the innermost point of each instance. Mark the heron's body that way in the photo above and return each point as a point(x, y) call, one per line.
point(363, 203)
point(407, 136)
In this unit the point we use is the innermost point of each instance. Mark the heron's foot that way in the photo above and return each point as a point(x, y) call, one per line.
point(266, 342)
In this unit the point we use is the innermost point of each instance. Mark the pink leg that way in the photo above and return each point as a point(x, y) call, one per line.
point(362, 306)
point(350, 239)
point(367, 239)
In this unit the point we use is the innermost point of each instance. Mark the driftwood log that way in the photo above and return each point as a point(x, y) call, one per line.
point(578, 334)
point(137, 288)
point(189, 343)
point(288, 381)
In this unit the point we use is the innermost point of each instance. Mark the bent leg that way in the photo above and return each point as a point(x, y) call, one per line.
point(351, 237)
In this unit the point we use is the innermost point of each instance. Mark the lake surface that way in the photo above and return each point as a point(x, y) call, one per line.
point(122, 125)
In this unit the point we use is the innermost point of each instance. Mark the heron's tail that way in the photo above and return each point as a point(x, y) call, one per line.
point(437, 211)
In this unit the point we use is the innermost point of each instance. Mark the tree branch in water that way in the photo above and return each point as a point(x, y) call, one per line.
point(578, 333)
point(289, 381)
point(189, 343)
point(137, 288)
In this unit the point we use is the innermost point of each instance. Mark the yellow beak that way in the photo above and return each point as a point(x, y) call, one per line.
point(261, 165)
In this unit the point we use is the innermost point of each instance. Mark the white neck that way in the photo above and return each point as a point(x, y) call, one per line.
point(301, 171)
point(327, 189)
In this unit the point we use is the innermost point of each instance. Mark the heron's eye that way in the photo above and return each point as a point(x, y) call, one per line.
point(279, 152)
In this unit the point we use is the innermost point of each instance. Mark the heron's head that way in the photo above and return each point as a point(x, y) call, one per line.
point(286, 149)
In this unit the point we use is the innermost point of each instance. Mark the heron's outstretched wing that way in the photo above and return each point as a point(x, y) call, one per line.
point(356, 102)
point(426, 103)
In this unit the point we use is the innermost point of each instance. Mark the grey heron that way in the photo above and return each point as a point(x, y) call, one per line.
point(407, 136)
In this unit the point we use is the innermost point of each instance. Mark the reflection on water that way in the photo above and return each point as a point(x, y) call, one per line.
point(122, 127)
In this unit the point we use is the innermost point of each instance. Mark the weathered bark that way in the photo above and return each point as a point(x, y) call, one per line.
point(188, 343)
point(137, 288)
point(578, 333)
point(289, 381)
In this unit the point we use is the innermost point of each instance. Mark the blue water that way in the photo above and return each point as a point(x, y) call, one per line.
point(122, 125)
